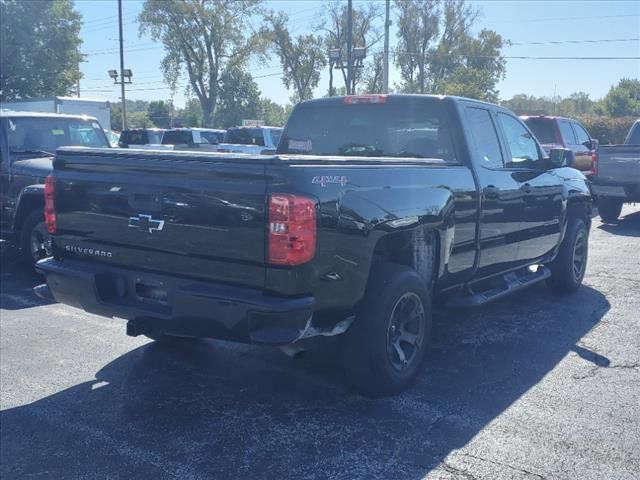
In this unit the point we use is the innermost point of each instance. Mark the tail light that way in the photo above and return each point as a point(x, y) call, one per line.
point(49, 204)
point(594, 165)
point(292, 229)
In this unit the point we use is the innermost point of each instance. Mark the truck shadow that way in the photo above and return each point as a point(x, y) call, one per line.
point(204, 409)
point(628, 225)
point(17, 281)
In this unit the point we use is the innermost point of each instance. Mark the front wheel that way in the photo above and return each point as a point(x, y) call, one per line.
point(609, 209)
point(33, 238)
point(384, 349)
point(570, 265)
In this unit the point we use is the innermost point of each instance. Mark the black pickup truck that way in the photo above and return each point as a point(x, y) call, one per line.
point(28, 141)
point(371, 208)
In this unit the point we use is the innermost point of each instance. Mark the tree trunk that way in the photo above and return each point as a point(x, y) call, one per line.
point(207, 115)
point(331, 79)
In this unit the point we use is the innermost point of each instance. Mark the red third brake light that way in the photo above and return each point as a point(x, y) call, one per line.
point(356, 99)
point(49, 204)
point(292, 229)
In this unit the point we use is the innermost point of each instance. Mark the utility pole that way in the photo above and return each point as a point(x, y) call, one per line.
point(124, 109)
point(349, 45)
point(385, 60)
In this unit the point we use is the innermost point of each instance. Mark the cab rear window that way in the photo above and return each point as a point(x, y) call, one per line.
point(543, 128)
point(397, 128)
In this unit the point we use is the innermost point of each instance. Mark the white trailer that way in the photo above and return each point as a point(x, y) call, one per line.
point(69, 105)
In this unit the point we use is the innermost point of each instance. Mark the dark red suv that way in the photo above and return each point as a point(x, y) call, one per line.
point(566, 133)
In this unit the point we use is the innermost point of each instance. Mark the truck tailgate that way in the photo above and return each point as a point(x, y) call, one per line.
point(618, 164)
point(198, 215)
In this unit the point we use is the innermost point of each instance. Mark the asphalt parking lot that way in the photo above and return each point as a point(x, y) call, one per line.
point(535, 386)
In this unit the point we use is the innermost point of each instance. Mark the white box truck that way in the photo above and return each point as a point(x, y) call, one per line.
point(69, 105)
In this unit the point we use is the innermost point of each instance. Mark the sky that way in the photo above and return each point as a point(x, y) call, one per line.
point(535, 29)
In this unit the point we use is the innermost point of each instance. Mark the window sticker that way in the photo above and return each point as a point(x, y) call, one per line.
point(302, 145)
point(56, 131)
point(196, 137)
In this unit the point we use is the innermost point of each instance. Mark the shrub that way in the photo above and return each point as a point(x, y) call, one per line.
point(607, 130)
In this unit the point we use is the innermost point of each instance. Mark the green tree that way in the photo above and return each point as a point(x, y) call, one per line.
point(373, 75)
point(273, 113)
point(39, 48)
point(301, 58)
point(437, 53)
point(190, 115)
point(204, 38)
point(159, 113)
point(622, 99)
point(238, 98)
point(139, 120)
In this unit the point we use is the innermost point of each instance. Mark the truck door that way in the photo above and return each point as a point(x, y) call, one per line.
point(501, 199)
point(541, 201)
point(583, 148)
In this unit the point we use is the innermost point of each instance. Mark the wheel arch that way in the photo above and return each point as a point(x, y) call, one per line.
point(30, 199)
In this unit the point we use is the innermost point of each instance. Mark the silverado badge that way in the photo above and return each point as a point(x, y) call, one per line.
point(146, 222)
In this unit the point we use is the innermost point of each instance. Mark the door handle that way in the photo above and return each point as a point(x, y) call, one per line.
point(526, 188)
point(490, 191)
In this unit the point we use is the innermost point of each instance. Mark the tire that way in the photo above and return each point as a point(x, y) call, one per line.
point(569, 266)
point(609, 209)
point(33, 236)
point(370, 348)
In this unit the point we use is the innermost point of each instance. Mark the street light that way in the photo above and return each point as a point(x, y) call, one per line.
point(334, 55)
point(126, 73)
point(113, 74)
point(359, 53)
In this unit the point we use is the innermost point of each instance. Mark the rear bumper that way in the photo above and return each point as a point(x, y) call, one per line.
point(629, 192)
point(165, 304)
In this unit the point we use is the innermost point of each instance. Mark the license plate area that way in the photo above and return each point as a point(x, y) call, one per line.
point(151, 292)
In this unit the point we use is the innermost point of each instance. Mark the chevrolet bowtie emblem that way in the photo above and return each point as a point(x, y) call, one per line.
point(146, 222)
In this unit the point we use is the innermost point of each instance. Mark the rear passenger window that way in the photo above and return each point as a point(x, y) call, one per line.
point(485, 137)
point(523, 148)
point(566, 132)
point(582, 136)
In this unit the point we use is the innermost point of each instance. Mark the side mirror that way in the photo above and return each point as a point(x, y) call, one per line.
point(561, 157)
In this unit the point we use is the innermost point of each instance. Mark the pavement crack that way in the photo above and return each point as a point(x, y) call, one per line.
point(457, 471)
point(506, 465)
point(592, 371)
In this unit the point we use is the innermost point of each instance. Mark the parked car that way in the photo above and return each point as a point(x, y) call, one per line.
point(141, 138)
point(213, 135)
point(617, 175)
point(255, 140)
point(562, 132)
point(371, 208)
point(191, 139)
point(28, 141)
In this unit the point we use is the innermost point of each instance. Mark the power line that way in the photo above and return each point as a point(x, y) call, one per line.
point(522, 57)
point(559, 42)
point(551, 19)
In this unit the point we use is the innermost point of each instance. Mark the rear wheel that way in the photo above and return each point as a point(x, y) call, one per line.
point(570, 265)
point(384, 349)
point(33, 238)
point(609, 209)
